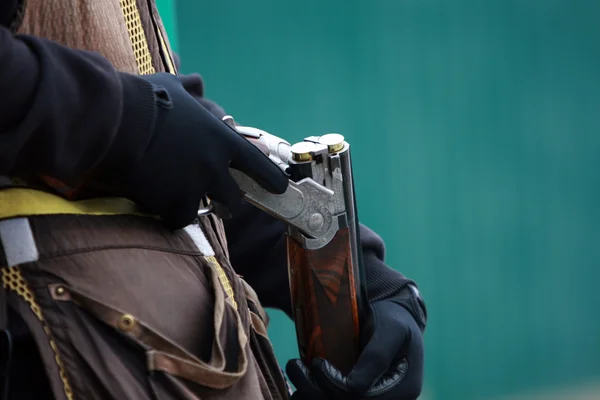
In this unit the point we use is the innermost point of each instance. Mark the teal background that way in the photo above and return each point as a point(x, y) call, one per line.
point(475, 132)
point(168, 13)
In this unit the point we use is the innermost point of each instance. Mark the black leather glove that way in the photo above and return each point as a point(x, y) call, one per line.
point(189, 157)
point(390, 366)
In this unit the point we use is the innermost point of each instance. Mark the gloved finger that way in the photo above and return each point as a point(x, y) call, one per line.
point(211, 106)
point(389, 336)
point(179, 217)
point(258, 166)
point(301, 377)
point(410, 373)
point(330, 379)
point(226, 191)
point(388, 387)
point(184, 210)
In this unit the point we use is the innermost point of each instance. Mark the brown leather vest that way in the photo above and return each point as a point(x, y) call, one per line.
point(129, 33)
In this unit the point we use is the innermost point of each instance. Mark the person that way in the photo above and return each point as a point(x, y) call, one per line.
point(112, 288)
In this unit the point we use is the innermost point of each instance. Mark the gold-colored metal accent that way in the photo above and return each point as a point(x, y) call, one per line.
point(333, 141)
point(60, 291)
point(12, 279)
point(126, 322)
point(223, 278)
point(137, 36)
point(301, 151)
point(302, 157)
point(167, 54)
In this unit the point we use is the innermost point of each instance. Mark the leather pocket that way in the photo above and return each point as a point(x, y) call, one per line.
point(161, 354)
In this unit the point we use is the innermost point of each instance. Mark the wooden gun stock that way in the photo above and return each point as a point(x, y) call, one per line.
point(323, 286)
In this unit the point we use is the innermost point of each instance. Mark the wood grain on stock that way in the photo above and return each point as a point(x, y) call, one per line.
point(324, 301)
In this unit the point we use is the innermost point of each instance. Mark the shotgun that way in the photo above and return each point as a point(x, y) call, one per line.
point(324, 256)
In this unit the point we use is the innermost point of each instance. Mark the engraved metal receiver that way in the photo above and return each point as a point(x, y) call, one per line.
point(321, 184)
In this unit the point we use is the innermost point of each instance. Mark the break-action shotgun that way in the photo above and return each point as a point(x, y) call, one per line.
point(327, 282)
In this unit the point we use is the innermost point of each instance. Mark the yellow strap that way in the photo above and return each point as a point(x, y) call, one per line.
point(165, 49)
point(21, 202)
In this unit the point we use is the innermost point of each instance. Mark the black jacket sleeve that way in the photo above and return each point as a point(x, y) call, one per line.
point(65, 112)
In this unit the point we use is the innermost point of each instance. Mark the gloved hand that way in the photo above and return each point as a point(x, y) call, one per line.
point(189, 157)
point(390, 366)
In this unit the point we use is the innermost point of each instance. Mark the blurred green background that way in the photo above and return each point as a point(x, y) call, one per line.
point(475, 128)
